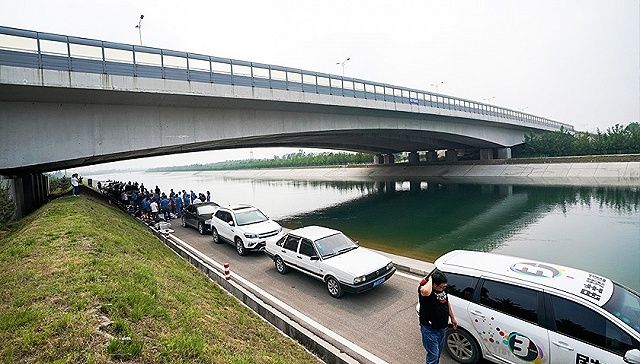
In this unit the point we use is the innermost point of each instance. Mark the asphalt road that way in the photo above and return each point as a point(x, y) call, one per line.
point(382, 321)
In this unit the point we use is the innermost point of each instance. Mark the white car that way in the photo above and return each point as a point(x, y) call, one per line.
point(514, 310)
point(332, 257)
point(244, 226)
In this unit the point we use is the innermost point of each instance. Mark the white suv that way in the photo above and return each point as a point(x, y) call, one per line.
point(244, 226)
point(332, 257)
point(513, 310)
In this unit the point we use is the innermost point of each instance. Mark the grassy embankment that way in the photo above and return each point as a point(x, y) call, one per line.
point(77, 264)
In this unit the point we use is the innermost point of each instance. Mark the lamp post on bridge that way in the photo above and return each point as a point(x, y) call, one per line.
point(436, 84)
point(342, 63)
point(488, 99)
point(139, 27)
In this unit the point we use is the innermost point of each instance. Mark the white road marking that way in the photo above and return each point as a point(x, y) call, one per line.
point(284, 306)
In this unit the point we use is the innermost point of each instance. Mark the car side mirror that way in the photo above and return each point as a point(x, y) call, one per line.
point(231, 223)
point(632, 356)
point(315, 257)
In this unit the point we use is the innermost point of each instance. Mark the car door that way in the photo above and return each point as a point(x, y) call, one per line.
point(226, 231)
point(305, 252)
point(289, 250)
point(189, 216)
point(580, 335)
point(507, 318)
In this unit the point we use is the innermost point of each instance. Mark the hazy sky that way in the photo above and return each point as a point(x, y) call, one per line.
point(572, 61)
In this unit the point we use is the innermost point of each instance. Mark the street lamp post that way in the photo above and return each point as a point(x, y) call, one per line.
point(436, 84)
point(139, 27)
point(488, 99)
point(342, 63)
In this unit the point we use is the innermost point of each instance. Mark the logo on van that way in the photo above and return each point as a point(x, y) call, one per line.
point(522, 347)
point(536, 269)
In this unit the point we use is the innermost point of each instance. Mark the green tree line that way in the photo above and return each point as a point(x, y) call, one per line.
point(617, 139)
point(299, 159)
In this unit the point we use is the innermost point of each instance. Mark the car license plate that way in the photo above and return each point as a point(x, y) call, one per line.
point(378, 282)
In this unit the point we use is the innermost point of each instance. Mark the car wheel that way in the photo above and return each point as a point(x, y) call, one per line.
point(201, 228)
point(462, 347)
point(240, 247)
point(184, 222)
point(216, 237)
point(334, 287)
point(281, 267)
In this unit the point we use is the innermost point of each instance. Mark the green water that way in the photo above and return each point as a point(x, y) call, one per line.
point(595, 229)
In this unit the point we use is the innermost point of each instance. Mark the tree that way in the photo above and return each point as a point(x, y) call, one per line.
point(7, 206)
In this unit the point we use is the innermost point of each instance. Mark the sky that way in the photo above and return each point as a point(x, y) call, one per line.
point(575, 61)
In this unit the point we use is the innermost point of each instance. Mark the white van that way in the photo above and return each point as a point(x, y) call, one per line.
point(514, 310)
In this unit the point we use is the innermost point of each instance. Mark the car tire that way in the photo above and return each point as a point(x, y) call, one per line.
point(240, 247)
point(334, 287)
point(281, 266)
point(201, 228)
point(462, 346)
point(184, 222)
point(216, 237)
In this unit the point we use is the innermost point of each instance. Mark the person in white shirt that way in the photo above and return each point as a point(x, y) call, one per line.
point(75, 184)
point(197, 200)
point(154, 210)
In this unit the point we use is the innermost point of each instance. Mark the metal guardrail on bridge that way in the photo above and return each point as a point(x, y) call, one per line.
point(25, 48)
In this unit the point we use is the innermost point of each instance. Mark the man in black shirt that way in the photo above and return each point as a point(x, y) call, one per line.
point(435, 311)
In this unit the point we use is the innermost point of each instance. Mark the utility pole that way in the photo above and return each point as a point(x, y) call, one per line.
point(139, 27)
point(342, 63)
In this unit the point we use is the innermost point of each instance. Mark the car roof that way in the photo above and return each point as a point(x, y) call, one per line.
point(205, 204)
point(240, 207)
point(589, 286)
point(314, 233)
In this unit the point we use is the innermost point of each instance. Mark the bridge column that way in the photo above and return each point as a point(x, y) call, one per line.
point(414, 158)
point(451, 155)
point(29, 191)
point(389, 159)
point(378, 159)
point(486, 154)
point(504, 153)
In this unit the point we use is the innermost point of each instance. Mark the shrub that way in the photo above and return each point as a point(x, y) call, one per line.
point(7, 206)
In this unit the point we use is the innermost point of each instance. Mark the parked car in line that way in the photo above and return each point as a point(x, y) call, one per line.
point(244, 226)
point(332, 257)
point(514, 310)
point(196, 215)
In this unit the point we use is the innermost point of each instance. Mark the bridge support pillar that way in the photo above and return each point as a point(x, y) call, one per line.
point(504, 153)
point(389, 159)
point(378, 159)
point(486, 154)
point(28, 191)
point(451, 155)
point(414, 158)
point(432, 156)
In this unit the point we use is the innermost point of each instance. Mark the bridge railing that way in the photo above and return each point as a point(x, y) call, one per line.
point(25, 48)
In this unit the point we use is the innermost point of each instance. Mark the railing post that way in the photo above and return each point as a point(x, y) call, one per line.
point(270, 86)
point(253, 81)
point(188, 70)
point(232, 78)
point(39, 50)
point(210, 70)
point(162, 62)
point(135, 64)
point(104, 61)
point(68, 54)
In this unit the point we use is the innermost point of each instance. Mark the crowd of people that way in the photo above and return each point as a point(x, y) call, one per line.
point(152, 205)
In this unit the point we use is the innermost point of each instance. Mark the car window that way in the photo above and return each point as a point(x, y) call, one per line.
point(206, 209)
point(281, 241)
point(461, 286)
point(220, 215)
point(625, 305)
point(292, 243)
point(306, 248)
point(516, 301)
point(584, 324)
point(334, 244)
point(226, 217)
point(248, 217)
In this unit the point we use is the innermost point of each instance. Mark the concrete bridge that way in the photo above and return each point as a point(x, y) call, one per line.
point(67, 102)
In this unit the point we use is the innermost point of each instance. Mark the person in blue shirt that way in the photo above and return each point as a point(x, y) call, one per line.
point(208, 196)
point(193, 195)
point(172, 194)
point(186, 200)
point(164, 204)
point(178, 202)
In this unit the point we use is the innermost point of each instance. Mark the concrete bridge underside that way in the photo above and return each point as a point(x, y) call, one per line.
point(51, 128)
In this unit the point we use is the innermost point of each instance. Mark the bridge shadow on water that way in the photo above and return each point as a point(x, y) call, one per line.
point(424, 219)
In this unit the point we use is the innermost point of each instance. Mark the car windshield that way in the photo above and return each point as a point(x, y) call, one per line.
point(625, 305)
point(207, 209)
point(334, 245)
point(250, 217)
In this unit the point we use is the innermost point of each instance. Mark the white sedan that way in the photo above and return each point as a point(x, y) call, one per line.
point(332, 257)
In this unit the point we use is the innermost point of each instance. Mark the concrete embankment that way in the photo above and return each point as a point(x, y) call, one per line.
point(576, 173)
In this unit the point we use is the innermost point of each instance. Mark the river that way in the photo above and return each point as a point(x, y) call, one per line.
point(592, 228)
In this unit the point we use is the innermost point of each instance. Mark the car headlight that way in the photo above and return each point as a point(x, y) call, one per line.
point(389, 266)
point(250, 236)
point(360, 279)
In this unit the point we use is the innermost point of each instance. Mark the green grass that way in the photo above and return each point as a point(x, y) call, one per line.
point(77, 262)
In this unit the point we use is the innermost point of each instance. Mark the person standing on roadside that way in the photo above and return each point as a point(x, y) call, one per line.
point(179, 205)
point(208, 196)
point(434, 314)
point(75, 184)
